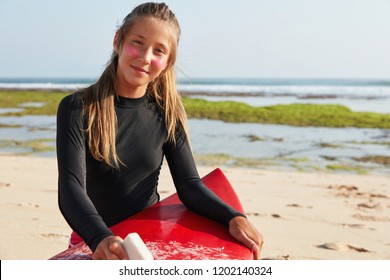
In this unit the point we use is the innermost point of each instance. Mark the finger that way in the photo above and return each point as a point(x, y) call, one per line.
point(104, 255)
point(117, 249)
point(260, 243)
point(112, 256)
point(247, 241)
point(243, 231)
point(109, 249)
point(256, 252)
point(251, 243)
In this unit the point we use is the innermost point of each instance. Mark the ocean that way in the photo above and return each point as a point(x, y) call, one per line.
point(256, 145)
point(357, 94)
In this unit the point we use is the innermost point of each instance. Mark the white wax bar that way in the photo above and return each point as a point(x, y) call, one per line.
point(136, 248)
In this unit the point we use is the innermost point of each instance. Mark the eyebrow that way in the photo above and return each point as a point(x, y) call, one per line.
point(160, 44)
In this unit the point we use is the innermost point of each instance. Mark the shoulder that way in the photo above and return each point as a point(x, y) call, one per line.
point(74, 100)
point(71, 107)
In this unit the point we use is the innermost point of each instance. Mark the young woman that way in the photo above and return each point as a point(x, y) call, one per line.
point(113, 135)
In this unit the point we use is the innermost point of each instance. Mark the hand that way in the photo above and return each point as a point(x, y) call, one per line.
point(110, 248)
point(242, 230)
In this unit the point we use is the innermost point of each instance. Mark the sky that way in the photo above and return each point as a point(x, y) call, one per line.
point(220, 38)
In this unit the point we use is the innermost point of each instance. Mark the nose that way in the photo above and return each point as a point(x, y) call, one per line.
point(146, 56)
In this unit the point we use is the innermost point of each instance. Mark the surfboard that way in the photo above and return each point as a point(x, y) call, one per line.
point(173, 232)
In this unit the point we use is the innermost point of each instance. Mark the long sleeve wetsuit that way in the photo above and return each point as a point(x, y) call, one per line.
point(94, 196)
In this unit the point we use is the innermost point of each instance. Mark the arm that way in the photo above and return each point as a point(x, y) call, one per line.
point(195, 195)
point(190, 188)
point(74, 203)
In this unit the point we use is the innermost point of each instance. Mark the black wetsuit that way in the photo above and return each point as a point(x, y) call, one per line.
point(94, 196)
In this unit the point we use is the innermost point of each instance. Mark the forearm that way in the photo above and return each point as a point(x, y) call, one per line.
point(81, 215)
point(203, 201)
point(190, 188)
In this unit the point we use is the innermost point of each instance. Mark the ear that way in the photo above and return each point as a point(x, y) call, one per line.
point(115, 43)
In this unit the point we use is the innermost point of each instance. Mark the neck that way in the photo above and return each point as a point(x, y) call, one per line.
point(128, 93)
point(131, 92)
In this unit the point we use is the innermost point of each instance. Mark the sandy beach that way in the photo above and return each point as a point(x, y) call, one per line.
point(301, 215)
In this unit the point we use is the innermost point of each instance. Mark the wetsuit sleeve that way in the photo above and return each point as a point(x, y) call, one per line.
point(190, 188)
point(74, 203)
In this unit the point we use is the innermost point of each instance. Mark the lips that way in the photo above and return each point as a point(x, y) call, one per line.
point(138, 69)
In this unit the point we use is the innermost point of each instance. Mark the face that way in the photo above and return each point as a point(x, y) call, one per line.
point(143, 55)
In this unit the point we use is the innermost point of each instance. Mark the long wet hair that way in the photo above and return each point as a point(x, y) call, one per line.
point(99, 97)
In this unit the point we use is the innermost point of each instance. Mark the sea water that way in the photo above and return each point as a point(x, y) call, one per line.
point(367, 95)
point(318, 146)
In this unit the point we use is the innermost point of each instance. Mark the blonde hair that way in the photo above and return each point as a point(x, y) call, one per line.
point(99, 97)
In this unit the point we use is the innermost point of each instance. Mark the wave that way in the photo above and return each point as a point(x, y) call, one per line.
point(288, 87)
point(236, 87)
point(42, 86)
point(345, 91)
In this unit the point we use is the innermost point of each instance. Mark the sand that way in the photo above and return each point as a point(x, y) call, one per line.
point(302, 216)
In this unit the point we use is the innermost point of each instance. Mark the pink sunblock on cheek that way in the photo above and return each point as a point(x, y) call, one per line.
point(159, 63)
point(132, 52)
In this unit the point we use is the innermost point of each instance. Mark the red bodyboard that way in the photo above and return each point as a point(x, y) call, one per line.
point(172, 232)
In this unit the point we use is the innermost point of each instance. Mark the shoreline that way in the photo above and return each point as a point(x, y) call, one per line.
point(301, 215)
point(271, 143)
point(325, 155)
point(193, 93)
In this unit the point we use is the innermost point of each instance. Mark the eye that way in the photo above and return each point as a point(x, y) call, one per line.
point(137, 42)
point(159, 51)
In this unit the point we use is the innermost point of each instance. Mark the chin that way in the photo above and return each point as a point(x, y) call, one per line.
point(137, 82)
